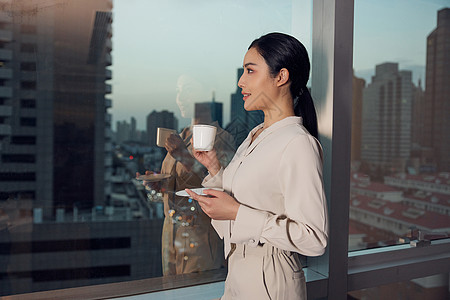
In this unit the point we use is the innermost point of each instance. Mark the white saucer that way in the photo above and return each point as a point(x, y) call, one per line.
point(199, 191)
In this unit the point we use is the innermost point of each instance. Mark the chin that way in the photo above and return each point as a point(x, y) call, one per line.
point(250, 108)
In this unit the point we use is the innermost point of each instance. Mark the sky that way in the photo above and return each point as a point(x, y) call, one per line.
point(156, 42)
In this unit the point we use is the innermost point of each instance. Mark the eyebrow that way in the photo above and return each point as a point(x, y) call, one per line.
point(249, 64)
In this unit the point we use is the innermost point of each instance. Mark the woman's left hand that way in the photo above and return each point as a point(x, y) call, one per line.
point(217, 205)
point(176, 147)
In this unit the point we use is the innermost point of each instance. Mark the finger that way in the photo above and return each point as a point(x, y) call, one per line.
point(213, 192)
point(197, 197)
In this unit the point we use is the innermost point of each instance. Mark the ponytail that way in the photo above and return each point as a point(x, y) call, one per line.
point(280, 50)
point(304, 107)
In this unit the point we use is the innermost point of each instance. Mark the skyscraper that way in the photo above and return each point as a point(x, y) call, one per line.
point(56, 129)
point(386, 119)
point(437, 107)
point(123, 130)
point(133, 130)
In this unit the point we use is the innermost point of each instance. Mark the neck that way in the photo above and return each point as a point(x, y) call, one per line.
point(283, 109)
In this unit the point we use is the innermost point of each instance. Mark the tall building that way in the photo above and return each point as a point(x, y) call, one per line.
point(241, 121)
point(55, 126)
point(386, 119)
point(127, 132)
point(133, 130)
point(358, 87)
point(422, 157)
point(123, 131)
point(437, 108)
point(209, 112)
point(156, 119)
point(418, 117)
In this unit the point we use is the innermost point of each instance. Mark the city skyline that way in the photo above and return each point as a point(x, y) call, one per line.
point(213, 57)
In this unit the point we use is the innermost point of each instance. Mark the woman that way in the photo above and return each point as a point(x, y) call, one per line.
point(273, 207)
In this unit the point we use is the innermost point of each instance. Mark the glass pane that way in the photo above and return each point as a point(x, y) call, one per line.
point(427, 288)
point(400, 179)
point(84, 85)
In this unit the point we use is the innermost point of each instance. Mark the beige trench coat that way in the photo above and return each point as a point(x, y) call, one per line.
point(189, 243)
point(278, 181)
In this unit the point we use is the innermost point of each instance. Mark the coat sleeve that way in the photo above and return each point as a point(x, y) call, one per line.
point(221, 227)
point(303, 227)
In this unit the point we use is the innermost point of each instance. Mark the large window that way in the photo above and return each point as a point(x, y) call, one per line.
point(84, 85)
point(400, 175)
point(400, 171)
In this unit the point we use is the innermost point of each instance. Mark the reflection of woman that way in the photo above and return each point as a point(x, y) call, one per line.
point(189, 242)
point(273, 206)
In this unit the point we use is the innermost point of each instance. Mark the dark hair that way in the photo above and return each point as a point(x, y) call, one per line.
point(280, 50)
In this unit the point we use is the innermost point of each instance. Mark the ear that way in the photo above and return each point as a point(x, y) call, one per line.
point(282, 77)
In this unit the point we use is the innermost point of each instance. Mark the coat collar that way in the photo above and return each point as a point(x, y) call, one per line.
point(266, 132)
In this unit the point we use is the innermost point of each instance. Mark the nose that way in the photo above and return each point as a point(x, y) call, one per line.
point(241, 81)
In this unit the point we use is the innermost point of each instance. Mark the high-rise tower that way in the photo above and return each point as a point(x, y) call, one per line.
point(437, 91)
point(386, 118)
point(55, 128)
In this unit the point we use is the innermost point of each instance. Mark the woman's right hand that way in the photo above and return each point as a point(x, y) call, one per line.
point(208, 159)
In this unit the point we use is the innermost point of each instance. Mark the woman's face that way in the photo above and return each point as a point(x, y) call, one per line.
point(258, 86)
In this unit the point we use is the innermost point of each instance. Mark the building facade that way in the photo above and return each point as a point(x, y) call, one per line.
point(386, 119)
point(54, 105)
point(437, 107)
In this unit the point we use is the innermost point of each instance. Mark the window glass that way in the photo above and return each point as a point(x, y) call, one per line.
point(433, 287)
point(84, 85)
point(400, 168)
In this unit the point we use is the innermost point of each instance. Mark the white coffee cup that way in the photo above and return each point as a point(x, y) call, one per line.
point(203, 137)
point(162, 134)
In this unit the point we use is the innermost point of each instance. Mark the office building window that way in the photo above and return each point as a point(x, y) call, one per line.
point(96, 105)
point(31, 122)
point(28, 66)
point(23, 140)
point(102, 94)
point(28, 103)
point(28, 29)
point(18, 158)
point(399, 145)
point(28, 85)
point(400, 171)
point(28, 47)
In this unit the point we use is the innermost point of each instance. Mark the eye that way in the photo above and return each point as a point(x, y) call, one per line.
point(249, 70)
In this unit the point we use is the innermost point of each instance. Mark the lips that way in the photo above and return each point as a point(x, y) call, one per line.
point(245, 95)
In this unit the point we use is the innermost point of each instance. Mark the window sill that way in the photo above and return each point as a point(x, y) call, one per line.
point(316, 285)
point(126, 288)
point(375, 267)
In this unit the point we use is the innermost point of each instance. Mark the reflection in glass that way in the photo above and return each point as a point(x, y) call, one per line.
point(400, 179)
point(427, 288)
point(189, 242)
